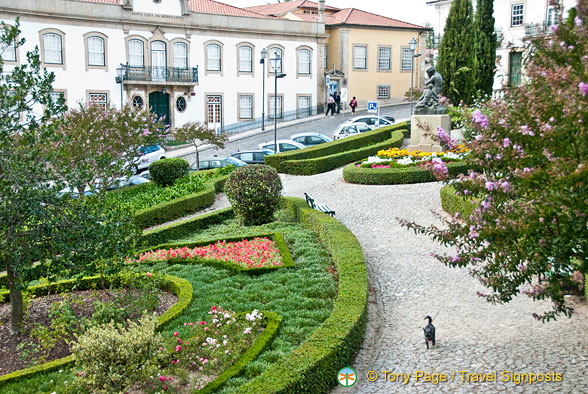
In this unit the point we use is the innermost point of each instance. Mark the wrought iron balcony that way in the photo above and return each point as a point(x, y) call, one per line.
point(162, 74)
point(535, 29)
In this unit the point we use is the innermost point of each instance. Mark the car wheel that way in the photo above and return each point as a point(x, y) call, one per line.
point(162, 157)
point(134, 170)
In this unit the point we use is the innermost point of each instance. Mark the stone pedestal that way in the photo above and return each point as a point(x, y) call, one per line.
point(422, 127)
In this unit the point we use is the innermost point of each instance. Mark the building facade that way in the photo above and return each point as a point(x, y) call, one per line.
point(189, 60)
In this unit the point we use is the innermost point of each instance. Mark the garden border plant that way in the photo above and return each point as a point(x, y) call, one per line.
point(278, 238)
point(180, 287)
point(453, 203)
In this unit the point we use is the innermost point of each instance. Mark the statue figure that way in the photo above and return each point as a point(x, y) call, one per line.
point(428, 103)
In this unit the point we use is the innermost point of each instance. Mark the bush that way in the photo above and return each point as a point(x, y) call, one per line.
point(254, 192)
point(113, 357)
point(166, 171)
point(453, 203)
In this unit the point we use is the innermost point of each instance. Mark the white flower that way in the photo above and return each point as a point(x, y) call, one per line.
point(247, 330)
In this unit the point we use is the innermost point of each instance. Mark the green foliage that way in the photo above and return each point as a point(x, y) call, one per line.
point(254, 193)
point(457, 56)
point(485, 44)
point(453, 203)
point(198, 134)
point(397, 176)
point(167, 171)
point(113, 357)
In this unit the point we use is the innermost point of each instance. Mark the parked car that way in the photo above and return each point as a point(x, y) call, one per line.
point(310, 139)
point(124, 181)
point(217, 162)
point(347, 129)
point(283, 145)
point(149, 154)
point(252, 156)
point(372, 120)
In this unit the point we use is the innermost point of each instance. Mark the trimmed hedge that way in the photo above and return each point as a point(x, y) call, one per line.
point(179, 207)
point(453, 203)
point(180, 287)
point(313, 367)
point(278, 238)
point(272, 321)
point(336, 147)
point(397, 176)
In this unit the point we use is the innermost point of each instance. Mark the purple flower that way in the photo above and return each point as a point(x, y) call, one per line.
point(490, 186)
point(578, 21)
point(506, 142)
point(479, 118)
point(455, 259)
point(583, 88)
point(553, 28)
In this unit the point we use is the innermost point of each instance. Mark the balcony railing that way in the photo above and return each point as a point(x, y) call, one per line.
point(535, 29)
point(162, 74)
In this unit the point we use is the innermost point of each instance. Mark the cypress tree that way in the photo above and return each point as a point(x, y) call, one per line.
point(485, 46)
point(457, 59)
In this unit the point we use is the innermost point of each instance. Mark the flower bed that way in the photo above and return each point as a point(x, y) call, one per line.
point(402, 158)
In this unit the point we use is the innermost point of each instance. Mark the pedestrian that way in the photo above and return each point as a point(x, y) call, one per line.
point(353, 105)
point(338, 102)
point(330, 106)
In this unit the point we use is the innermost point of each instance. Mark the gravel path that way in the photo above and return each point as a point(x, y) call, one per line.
point(406, 284)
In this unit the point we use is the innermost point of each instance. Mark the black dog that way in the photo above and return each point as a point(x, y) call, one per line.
point(429, 330)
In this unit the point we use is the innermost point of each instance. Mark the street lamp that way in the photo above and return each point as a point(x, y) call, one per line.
point(120, 71)
point(276, 64)
point(412, 44)
point(262, 61)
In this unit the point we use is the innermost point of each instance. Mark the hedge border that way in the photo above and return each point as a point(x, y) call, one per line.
point(313, 366)
point(273, 322)
point(397, 176)
point(452, 203)
point(180, 287)
point(278, 238)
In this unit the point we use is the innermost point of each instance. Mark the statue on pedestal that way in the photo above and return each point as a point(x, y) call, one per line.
point(428, 103)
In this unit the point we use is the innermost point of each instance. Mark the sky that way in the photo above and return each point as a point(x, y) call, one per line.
point(413, 11)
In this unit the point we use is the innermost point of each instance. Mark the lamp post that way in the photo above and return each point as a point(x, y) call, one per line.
point(262, 61)
point(276, 64)
point(412, 44)
point(120, 71)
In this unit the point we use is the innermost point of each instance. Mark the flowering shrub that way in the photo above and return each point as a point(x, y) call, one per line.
point(205, 349)
point(255, 253)
point(533, 147)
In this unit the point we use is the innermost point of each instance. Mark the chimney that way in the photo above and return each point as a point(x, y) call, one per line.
point(321, 9)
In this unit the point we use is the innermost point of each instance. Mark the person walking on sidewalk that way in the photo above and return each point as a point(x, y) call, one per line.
point(338, 102)
point(353, 105)
point(330, 106)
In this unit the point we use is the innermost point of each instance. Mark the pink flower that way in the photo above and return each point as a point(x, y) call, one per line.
point(176, 334)
point(553, 28)
point(578, 21)
point(178, 348)
point(149, 274)
point(479, 118)
point(506, 142)
point(583, 88)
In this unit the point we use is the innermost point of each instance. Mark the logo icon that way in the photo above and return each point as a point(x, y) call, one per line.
point(346, 377)
point(372, 106)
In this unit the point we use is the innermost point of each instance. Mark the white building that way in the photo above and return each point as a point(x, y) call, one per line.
point(186, 59)
point(516, 21)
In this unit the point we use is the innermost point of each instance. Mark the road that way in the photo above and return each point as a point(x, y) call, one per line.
point(325, 125)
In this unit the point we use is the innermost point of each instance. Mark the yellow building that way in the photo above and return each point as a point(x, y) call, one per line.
point(365, 55)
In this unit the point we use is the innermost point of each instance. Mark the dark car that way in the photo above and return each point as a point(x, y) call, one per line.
point(217, 162)
point(252, 156)
point(310, 139)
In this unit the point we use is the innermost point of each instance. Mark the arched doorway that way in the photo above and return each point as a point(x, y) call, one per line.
point(159, 103)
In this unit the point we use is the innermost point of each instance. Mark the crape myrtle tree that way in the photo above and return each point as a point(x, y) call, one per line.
point(198, 134)
point(457, 54)
point(44, 234)
point(485, 45)
point(532, 214)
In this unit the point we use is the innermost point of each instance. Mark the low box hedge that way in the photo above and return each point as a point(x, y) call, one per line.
point(332, 148)
point(452, 203)
point(180, 287)
point(396, 176)
point(278, 238)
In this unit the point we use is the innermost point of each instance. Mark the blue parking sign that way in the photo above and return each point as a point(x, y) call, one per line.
point(372, 106)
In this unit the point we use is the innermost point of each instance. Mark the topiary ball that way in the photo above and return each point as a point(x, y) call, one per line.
point(166, 171)
point(254, 192)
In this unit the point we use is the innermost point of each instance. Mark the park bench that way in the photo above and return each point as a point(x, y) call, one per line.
point(321, 207)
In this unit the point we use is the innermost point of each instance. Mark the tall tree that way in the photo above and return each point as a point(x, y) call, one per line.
point(198, 134)
point(485, 46)
point(457, 56)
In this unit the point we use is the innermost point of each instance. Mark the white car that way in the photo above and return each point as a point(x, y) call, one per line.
point(347, 129)
point(373, 120)
point(149, 154)
point(283, 145)
point(310, 139)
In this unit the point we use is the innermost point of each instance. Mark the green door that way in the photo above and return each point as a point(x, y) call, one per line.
point(159, 103)
point(516, 60)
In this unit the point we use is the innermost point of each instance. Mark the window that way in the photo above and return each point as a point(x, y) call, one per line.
point(9, 53)
point(100, 99)
point(384, 54)
point(552, 16)
point(136, 53)
point(180, 55)
point(406, 59)
point(516, 59)
point(138, 102)
point(303, 106)
point(52, 48)
point(245, 107)
point(326, 56)
point(181, 104)
point(383, 91)
point(56, 96)
point(360, 57)
point(96, 51)
point(272, 55)
point(304, 61)
point(245, 59)
point(213, 54)
point(516, 18)
point(278, 111)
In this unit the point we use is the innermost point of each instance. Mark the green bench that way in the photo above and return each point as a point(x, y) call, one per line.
point(321, 207)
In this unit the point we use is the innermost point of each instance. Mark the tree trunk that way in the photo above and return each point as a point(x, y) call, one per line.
point(197, 157)
point(16, 301)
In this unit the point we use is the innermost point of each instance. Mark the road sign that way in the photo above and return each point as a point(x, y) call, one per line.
point(328, 80)
point(372, 107)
